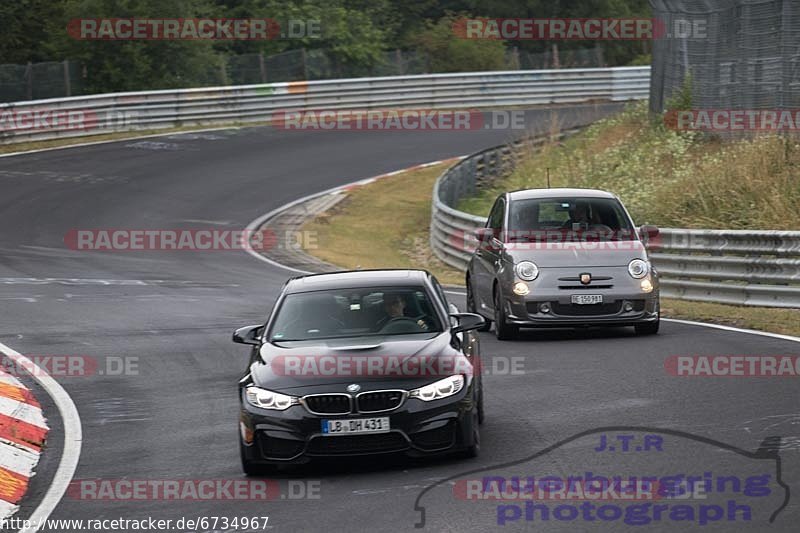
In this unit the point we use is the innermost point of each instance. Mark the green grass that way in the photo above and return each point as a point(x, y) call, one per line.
point(383, 225)
point(785, 321)
point(669, 178)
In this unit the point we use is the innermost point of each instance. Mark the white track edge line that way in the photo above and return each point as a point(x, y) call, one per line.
point(733, 328)
point(73, 437)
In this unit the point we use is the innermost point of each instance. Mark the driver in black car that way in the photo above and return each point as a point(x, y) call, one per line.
point(395, 306)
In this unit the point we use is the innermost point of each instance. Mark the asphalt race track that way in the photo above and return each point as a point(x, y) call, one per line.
point(174, 417)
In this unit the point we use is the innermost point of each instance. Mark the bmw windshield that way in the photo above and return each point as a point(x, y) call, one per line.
point(339, 313)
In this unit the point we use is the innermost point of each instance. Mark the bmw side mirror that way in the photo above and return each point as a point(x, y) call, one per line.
point(466, 322)
point(248, 335)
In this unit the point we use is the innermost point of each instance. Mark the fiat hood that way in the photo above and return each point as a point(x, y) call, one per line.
point(571, 254)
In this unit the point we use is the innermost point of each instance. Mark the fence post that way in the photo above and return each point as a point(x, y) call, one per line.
point(29, 77)
point(67, 83)
point(515, 64)
point(304, 57)
point(598, 50)
point(785, 53)
point(262, 67)
point(223, 74)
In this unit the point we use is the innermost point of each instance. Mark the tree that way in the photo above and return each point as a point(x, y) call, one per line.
point(118, 65)
point(28, 27)
point(447, 52)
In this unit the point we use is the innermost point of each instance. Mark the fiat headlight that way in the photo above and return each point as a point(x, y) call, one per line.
point(526, 270)
point(638, 268)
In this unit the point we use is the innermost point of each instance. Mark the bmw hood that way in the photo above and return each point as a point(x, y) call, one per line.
point(374, 362)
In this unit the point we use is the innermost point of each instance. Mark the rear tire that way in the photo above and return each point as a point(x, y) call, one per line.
point(651, 328)
point(502, 330)
point(472, 308)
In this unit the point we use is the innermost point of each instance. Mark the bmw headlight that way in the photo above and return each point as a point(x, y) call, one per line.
point(526, 270)
point(267, 399)
point(638, 268)
point(438, 390)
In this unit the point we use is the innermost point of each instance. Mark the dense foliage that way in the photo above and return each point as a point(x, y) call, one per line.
point(355, 34)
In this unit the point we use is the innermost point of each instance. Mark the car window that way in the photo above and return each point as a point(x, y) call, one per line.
point(338, 313)
point(600, 218)
point(497, 215)
point(439, 291)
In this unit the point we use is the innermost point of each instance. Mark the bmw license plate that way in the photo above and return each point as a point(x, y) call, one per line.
point(352, 426)
point(587, 299)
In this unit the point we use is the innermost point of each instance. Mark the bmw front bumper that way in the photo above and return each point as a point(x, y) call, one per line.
point(418, 428)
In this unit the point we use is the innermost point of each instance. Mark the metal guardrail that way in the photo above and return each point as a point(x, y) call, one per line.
point(153, 110)
point(759, 268)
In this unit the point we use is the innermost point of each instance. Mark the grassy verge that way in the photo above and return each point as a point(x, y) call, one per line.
point(785, 321)
point(669, 178)
point(385, 224)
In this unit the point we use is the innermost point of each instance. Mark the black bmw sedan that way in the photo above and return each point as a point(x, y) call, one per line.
point(357, 363)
